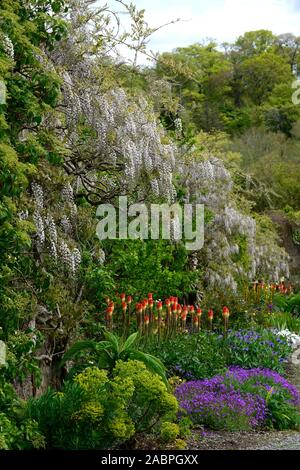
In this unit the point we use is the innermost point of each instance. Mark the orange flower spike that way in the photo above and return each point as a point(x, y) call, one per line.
point(109, 311)
point(159, 305)
point(124, 306)
point(225, 312)
point(146, 320)
point(139, 307)
point(210, 314)
point(129, 299)
point(199, 312)
point(150, 296)
point(123, 297)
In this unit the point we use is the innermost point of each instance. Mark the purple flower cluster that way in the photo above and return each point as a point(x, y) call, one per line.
point(265, 377)
point(250, 348)
point(226, 399)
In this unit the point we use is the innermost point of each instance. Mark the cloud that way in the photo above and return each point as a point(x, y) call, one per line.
point(222, 20)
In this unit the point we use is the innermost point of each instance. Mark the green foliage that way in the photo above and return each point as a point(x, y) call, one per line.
point(20, 356)
point(169, 432)
point(257, 348)
point(191, 356)
point(249, 83)
point(32, 91)
point(96, 411)
point(142, 266)
point(288, 303)
point(106, 353)
point(285, 321)
point(16, 430)
point(282, 414)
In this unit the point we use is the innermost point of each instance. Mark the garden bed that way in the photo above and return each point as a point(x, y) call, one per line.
point(203, 439)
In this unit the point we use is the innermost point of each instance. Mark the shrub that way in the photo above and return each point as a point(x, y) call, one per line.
point(169, 431)
point(240, 400)
point(192, 356)
point(16, 431)
point(96, 411)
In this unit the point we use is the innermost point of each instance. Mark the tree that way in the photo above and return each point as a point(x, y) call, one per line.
point(199, 75)
point(261, 73)
point(254, 43)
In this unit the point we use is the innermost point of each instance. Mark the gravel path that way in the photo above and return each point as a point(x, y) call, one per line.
point(291, 442)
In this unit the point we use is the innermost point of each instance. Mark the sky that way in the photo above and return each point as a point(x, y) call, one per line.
point(222, 20)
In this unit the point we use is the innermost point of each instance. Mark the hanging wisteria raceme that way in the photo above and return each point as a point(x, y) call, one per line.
point(233, 245)
point(38, 195)
point(124, 139)
point(7, 46)
point(50, 234)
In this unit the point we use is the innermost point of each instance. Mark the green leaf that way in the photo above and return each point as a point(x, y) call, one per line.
point(130, 341)
point(114, 340)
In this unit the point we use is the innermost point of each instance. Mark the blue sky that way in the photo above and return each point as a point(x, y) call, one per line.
point(223, 20)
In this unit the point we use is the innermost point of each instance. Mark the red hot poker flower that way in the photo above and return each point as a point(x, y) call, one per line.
point(146, 320)
point(159, 305)
point(123, 297)
point(226, 312)
point(150, 296)
point(210, 314)
point(124, 306)
point(199, 312)
point(139, 307)
point(109, 311)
